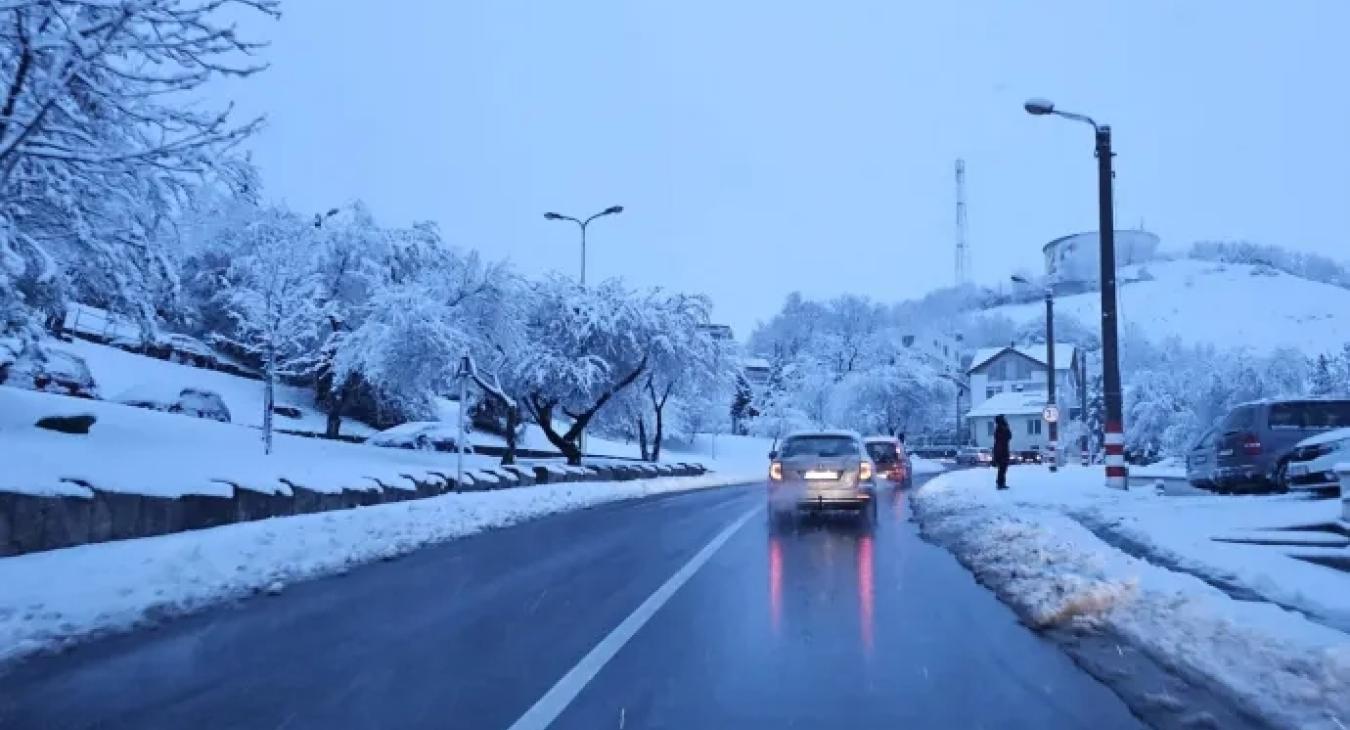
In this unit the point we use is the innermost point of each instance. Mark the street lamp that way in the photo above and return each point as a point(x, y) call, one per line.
point(611, 210)
point(1050, 399)
point(1114, 436)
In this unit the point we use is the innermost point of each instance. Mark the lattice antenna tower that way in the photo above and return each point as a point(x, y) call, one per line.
point(962, 246)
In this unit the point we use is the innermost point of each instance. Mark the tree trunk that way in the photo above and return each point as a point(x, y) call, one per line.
point(268, 378)
point(543, 415)
point(659, 433)
point(659, 408)
point(512, 425)
point(642, 437)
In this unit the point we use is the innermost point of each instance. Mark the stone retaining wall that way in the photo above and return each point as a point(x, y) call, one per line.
point(31, 523)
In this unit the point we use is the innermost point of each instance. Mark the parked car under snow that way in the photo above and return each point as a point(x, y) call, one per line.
point(195, 402)
point(1311, 465)
point(421, 435)
point(50, 371)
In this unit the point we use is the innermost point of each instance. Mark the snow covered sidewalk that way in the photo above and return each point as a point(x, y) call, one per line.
point(60, 596)
point(1033, 546)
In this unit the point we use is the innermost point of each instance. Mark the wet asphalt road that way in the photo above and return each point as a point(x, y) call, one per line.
point(826, 624)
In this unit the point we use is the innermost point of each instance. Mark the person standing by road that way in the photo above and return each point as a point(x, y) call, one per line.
point(1002, 449)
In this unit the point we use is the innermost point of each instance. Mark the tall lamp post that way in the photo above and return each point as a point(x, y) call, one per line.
point(1050, 399)
point(1114, 436)
point(611, 210)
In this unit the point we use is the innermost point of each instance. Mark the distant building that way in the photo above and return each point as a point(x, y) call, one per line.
point(1076, 259)
point(718, 331)
point(942, 350)
point(1012, 381)
point(756, 370)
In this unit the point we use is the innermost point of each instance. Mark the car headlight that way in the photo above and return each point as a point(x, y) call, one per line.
point(776, 471)
point(865, 470)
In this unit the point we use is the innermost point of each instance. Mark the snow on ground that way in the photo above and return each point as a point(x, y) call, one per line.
point(160, 454)
point(56, 597)
point(119, 372)
point(1030, 544)
point(926, 466)
point(1262, 311)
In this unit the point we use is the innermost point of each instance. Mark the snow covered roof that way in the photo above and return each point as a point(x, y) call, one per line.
point(755, 363)
point(1063, 354)
point(1009, 404)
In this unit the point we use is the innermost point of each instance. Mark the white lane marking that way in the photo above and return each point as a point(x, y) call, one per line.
point(551, 705)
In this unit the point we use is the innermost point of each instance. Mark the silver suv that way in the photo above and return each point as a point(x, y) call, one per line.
point(1256, 439)
point(818, 470)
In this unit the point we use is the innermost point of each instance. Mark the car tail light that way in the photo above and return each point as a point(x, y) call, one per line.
point(776, 471)
point(1251, 445)
point(865, 470)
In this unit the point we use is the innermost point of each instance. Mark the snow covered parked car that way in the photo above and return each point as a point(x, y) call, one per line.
point(47, 370)
point(421, 435)
point(195, 402)
point(1311, 466)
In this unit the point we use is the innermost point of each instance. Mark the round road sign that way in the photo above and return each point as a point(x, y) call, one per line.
point(1051, 413)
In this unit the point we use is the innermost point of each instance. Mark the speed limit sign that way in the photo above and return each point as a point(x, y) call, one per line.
point(1051, 413)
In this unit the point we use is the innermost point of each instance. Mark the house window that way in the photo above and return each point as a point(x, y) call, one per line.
point(991, 391)
point(1034, 427)
point(990, 428)
point(1023, 370)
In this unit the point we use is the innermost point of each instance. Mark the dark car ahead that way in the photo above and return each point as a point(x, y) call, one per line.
point(1255, 439)
point(893, 464)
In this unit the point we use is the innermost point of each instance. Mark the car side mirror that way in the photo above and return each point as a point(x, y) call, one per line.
point(773, 454)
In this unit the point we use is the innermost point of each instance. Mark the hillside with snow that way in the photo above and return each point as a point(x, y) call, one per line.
point(1227, 305)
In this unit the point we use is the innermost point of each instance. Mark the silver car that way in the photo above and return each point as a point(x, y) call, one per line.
point(819, 470)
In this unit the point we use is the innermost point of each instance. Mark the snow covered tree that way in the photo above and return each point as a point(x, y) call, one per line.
point(1322, 377)
point(584, 346)
point(684, 359)
point(98, 148)
point(742, 405)
point(270, 295)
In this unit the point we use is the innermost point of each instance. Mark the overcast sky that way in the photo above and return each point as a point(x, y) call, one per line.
point(766, 147)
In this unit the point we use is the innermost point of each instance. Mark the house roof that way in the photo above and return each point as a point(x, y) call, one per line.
point(1063, 354)
point(1009, 404)
point(755, 363)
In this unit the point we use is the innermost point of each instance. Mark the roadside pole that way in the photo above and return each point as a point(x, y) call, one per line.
point(1114, 433)
point(465, 368)
point(1051, 402)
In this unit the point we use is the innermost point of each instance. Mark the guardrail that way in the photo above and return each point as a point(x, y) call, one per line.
point(31, 523)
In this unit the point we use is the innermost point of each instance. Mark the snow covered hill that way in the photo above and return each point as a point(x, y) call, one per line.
point(1226, 305)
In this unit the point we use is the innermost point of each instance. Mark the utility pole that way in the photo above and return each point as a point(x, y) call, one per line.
point(1050, 376)
point(1114, 432)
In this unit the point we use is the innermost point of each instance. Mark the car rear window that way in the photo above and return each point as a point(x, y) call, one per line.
point(819, 446)
point(883, 452)
point(1239, 418)
point(1310, 415)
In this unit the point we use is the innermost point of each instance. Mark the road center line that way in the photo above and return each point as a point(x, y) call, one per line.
point(551, 705)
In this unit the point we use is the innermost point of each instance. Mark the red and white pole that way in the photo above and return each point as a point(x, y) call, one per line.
point(1115, 455)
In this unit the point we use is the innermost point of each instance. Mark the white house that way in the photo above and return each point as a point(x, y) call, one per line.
point(1012, 381)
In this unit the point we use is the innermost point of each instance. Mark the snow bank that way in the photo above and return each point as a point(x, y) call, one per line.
point(57, 597)
point(926, 466)
point(1026, 546)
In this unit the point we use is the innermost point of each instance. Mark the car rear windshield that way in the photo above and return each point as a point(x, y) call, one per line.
point(1316, 415)
point(883, 452)
point(819, 446)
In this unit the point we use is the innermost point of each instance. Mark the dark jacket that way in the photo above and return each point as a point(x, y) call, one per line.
point(1002, 441)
